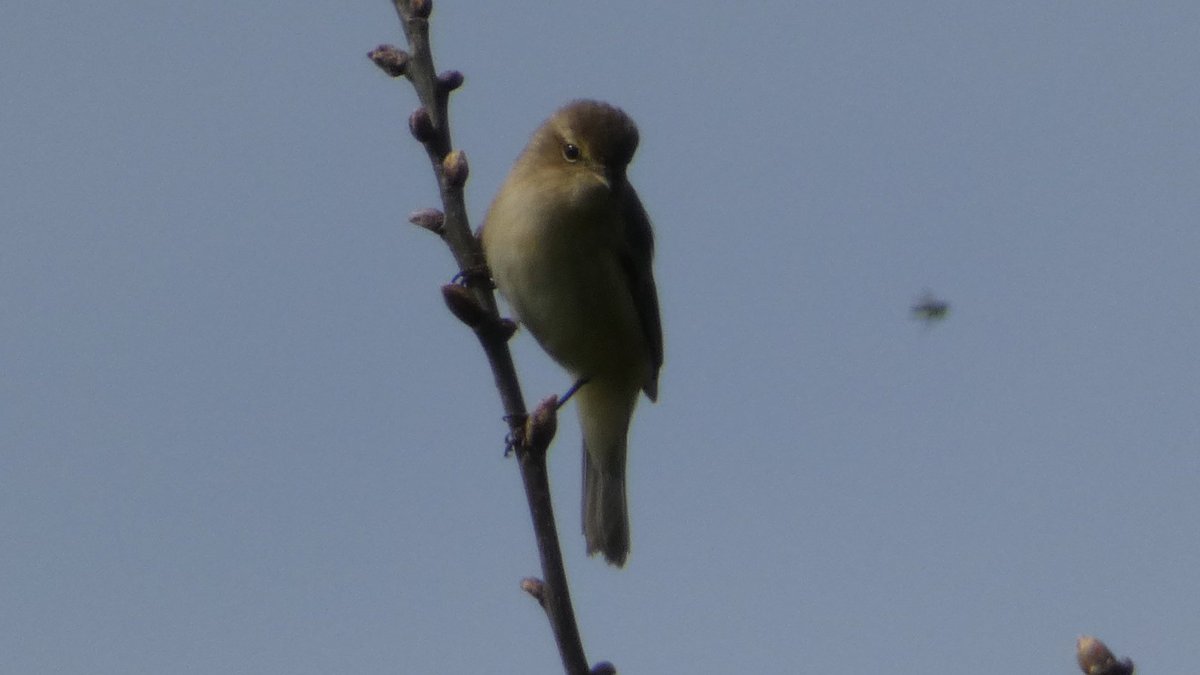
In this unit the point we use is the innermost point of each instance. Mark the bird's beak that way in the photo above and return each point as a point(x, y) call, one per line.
point(603, 176)
point(613, 177)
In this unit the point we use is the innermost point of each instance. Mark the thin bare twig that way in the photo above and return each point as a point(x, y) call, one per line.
point(474, 303)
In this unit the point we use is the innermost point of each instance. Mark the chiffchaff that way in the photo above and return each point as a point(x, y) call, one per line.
point(570, 246)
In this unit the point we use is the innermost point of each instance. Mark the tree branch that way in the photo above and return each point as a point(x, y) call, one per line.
point(473, 302)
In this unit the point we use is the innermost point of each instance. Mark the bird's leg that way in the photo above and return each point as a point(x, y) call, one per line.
point(476, 276)
point(571, 392)
point(516, 433)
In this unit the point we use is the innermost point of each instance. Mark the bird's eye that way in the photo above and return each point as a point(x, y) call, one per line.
point(571, 152)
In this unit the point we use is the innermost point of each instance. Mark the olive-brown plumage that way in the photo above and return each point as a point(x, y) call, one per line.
point(570, 247)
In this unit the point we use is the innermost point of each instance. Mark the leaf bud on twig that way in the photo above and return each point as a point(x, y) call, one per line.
point(463, 305)
point(392, 60)
point(455, 167)
point(430, 219)
point(421, 125)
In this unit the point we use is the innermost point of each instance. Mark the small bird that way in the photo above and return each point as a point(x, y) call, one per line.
point(570, 248)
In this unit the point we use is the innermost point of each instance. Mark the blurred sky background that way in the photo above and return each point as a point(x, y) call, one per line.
point(240, 433)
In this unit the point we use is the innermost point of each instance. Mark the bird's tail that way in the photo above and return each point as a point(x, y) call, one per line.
point(605, 518)
point(604, 415)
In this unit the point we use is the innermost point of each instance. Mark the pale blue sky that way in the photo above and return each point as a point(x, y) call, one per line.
point(239, 433)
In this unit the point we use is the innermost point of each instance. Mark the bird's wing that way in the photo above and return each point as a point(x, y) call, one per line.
point(637, 255)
